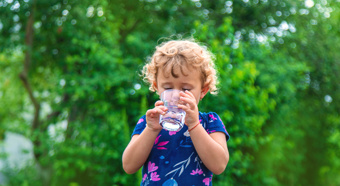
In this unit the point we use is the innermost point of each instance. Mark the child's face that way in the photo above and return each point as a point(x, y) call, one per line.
point(191, 82)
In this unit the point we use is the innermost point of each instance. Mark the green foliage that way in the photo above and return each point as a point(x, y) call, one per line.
point(278, 92)
point(22, 177)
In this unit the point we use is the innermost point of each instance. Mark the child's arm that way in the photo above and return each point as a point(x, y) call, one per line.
point(140, 146)
point(138, 150)
point(212, 149)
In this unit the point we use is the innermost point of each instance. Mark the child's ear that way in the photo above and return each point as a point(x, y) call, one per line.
point(155, 86)
point(204, 91)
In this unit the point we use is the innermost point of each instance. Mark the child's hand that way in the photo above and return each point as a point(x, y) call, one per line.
point(190, 107)
point(152, 116)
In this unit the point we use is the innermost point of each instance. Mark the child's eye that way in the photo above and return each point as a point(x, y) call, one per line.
point(184, 89)
point(167, 88)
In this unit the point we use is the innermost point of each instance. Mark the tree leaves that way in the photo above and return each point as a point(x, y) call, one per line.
point(87, 56)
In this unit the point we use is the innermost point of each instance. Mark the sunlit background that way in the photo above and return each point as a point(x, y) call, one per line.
point(71, 91)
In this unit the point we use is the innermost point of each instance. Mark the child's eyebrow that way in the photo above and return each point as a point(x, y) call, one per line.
point(187, 84)
point(166, 83)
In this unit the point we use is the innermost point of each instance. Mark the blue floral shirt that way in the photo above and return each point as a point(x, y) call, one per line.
point(173, 159)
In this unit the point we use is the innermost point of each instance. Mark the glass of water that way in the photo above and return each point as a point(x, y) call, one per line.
point(174, 118)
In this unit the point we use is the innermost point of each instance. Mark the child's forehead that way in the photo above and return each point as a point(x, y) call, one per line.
point(189, 75)
point(176, 70)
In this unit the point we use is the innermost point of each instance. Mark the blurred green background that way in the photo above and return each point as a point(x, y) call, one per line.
point(70, 84)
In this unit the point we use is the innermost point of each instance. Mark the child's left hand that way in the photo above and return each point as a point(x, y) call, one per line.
point(190, 107)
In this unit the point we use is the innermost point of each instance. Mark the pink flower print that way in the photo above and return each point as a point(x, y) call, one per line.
point(152, 167)
point(140, 121)
point(209, 132)
point(172, 133)
point(206, 181)
point(156, 140)
point(144, 177)
point(160, 144)
point(197, 171)
point(155, 176)
point(212, 117)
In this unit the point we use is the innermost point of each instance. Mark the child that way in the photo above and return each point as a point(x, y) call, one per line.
point(192, 155)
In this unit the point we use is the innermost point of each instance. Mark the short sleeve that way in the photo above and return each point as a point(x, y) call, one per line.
point(140, 126)
point(215, 124)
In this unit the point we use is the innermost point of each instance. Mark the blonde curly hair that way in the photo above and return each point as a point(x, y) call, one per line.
point(181, 53)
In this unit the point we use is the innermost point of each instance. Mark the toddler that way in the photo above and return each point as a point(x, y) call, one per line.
point(192, 155)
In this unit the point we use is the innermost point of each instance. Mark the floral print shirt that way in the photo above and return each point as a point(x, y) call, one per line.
point(173, 159)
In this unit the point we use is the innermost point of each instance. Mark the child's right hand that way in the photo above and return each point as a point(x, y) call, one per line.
point(152, 116)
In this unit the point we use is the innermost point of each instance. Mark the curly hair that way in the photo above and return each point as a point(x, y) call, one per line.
point(181, 53)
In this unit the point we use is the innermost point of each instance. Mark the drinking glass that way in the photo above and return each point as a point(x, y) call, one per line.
point(173, 119)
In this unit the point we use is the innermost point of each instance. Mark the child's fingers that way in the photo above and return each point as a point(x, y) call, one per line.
point(190, 93)
point(156, 111)
point(184, 107)
point(189, 103)
point(159, 103)
point(164, 108)
point(187, 94)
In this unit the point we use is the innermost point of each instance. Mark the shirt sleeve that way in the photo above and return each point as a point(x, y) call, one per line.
point(215, 124)
point(140, 126)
